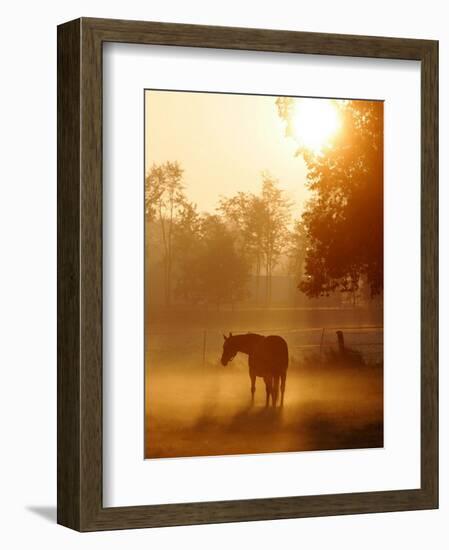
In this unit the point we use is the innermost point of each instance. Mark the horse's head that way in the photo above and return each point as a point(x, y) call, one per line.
point(229, 349)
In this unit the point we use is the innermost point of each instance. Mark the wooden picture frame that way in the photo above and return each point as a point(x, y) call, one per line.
point(79, 473)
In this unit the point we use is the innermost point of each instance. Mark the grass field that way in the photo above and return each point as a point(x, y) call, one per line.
point(197, 407)
point(195, 411)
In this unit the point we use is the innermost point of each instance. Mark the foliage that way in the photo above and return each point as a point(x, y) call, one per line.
point(343, 222)
point(211, 271)
point(261, 222)
point(187, 241)
point(296, 252)
point(276, 216)
point(164, 197)
point(336, 244)
point(222, 271)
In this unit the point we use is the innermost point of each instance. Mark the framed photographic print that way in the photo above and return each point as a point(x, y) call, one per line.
point(247, 274)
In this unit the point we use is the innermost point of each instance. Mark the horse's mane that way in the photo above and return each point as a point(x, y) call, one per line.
point(248, 334)
point(246, 339)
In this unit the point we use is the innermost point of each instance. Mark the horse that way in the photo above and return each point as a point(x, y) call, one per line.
point(267, 358)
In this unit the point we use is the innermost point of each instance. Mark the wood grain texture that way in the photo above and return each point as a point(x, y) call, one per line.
point(80, 274)
point(69, 408)
point(429, 271)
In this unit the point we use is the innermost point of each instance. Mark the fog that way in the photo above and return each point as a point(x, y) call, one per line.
point(262, 215)
point(197, 407)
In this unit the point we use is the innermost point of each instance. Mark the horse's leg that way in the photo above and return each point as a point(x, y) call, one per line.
point(283, 378)
point(268, 389)
point(253, 386)
point(275, 390)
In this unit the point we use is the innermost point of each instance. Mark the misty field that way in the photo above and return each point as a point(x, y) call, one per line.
point(197, 407)
point(263, 215)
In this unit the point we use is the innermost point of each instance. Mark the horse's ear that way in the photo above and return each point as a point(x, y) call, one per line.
point(230, 334)
point(225, 337)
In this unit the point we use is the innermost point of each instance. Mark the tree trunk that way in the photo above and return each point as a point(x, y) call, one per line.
point(266, 281)
point(258, 269)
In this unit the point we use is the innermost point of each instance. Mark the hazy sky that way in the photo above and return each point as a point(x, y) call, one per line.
point(223, 142)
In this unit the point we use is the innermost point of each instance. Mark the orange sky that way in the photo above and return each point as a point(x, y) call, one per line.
point(223, 142)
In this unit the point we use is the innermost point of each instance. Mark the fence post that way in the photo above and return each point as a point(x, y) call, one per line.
point(341, 342)
point(321, 346)
point(204, 347)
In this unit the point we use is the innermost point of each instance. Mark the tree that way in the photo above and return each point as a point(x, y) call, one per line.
point(164, 197)
point(223, 271)
point(187, 243)
point(275, 212)
point(216, 273)
point(262, 224)
point(244, 213)
point(343, 222)
point(297, 250)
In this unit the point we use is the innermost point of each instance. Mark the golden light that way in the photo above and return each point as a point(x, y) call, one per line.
point(314, 122)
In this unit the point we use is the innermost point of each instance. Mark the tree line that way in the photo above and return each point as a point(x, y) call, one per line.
point(343, 222)
point(209, 257)
point(336, 245)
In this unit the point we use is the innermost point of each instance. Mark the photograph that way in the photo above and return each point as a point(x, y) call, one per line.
point(263, 274)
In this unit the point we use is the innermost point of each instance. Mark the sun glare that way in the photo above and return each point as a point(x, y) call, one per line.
point(314, 122)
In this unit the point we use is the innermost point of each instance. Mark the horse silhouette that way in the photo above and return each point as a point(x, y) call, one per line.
point(267, 358)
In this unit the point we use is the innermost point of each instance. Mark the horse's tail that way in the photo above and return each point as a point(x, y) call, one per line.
point(283, 378)
point(285, 357)
point(275, 389)
point(283, 373)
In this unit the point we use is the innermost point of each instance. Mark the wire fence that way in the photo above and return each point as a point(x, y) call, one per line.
point(204, 346)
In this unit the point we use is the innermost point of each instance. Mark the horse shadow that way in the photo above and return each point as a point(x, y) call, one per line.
point(250, 419)
point(255, 419)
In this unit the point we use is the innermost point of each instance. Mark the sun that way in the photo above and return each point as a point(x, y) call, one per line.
point(314, 122)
